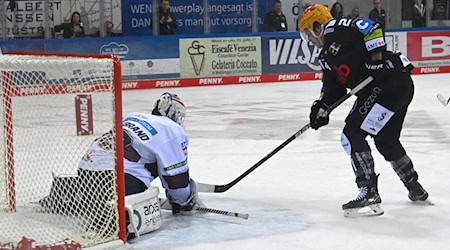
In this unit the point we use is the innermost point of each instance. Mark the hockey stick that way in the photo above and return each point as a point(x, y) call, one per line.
point(211, 188)
point(165, 205)
point(442, 99)
point(222, 212)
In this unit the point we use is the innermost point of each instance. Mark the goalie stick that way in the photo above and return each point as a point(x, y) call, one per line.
point(222, 212)
point(442, 99)
point(165, 205)
point(211, 188)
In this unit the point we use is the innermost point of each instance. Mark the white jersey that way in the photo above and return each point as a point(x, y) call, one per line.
point(148, 139)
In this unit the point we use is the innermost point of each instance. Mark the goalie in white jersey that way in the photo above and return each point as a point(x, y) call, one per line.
point(155, 145)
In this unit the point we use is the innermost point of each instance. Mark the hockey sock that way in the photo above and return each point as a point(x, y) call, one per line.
point(363, 167)
point(404, 169)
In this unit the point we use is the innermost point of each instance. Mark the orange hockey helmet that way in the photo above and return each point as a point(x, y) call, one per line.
point(314, 13)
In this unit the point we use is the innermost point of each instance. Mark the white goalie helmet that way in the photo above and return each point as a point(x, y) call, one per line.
point(170, 105)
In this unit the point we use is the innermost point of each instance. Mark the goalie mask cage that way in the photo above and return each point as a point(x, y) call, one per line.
point(40, 147)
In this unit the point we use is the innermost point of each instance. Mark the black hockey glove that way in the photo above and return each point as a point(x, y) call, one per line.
point(184, 208)
point(188, 206)
point(318, 116)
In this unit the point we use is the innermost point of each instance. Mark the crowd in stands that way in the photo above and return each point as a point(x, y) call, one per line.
point(415, 11)
point(274, 20)
point(75, 28)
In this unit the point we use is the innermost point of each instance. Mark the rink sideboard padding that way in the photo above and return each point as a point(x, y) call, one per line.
point(219, 59)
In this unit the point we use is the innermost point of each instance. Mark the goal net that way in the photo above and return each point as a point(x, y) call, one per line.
point(52, 108)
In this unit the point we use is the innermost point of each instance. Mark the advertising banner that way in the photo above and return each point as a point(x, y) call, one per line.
point(429, 51)
point(287, 54)
point(83, 114)
point(396, 41)
point(146, 57)
point(230, 16)
point(220, 56)
point(429, 48)
point(141, 57)
point(177, 61)
point(136, 17)
point(225, 16)
point(224, 80)
point(26, 19)
point(189, 16)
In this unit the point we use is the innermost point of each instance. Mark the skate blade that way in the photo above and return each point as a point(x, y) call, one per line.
point(368, 211)
point(426, 202)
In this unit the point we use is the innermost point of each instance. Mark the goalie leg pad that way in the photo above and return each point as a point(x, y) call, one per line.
point(63, 195)
point(144, 212)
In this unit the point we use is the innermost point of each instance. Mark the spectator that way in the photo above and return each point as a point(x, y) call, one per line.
point(109, 30)
point(74, 28)
point(439, 10)
point(354, 14)
point(275, 20)
point(337, 10)
point(378, 14)
point(167, 22)
point(418, 15)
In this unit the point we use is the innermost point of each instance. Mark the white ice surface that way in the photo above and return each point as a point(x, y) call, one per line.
point(294, 199)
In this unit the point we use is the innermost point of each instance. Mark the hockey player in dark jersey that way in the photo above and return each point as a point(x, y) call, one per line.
point(353, 49)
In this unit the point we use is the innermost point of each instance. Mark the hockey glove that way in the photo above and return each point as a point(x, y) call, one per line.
point(318, 116)
point(187, 207)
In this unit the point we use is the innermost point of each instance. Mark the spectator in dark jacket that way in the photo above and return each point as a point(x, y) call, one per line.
point(167, 22)
point(418, 15)
point(378, 14)
point(74, 28)
point(275, 20)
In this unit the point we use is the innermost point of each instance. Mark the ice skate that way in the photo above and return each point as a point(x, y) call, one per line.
point(366, 204)
point(418, 194)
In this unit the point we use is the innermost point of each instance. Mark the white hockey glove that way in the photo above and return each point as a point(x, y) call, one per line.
point(187, 207)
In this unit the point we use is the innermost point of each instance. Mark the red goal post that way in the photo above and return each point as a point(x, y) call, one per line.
point(39, 145)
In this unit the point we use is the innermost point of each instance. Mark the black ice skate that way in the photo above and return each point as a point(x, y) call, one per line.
point(366, 204)
point(418, 194)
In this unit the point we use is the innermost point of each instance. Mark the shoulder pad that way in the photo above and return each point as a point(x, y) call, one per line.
point(365, 25)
